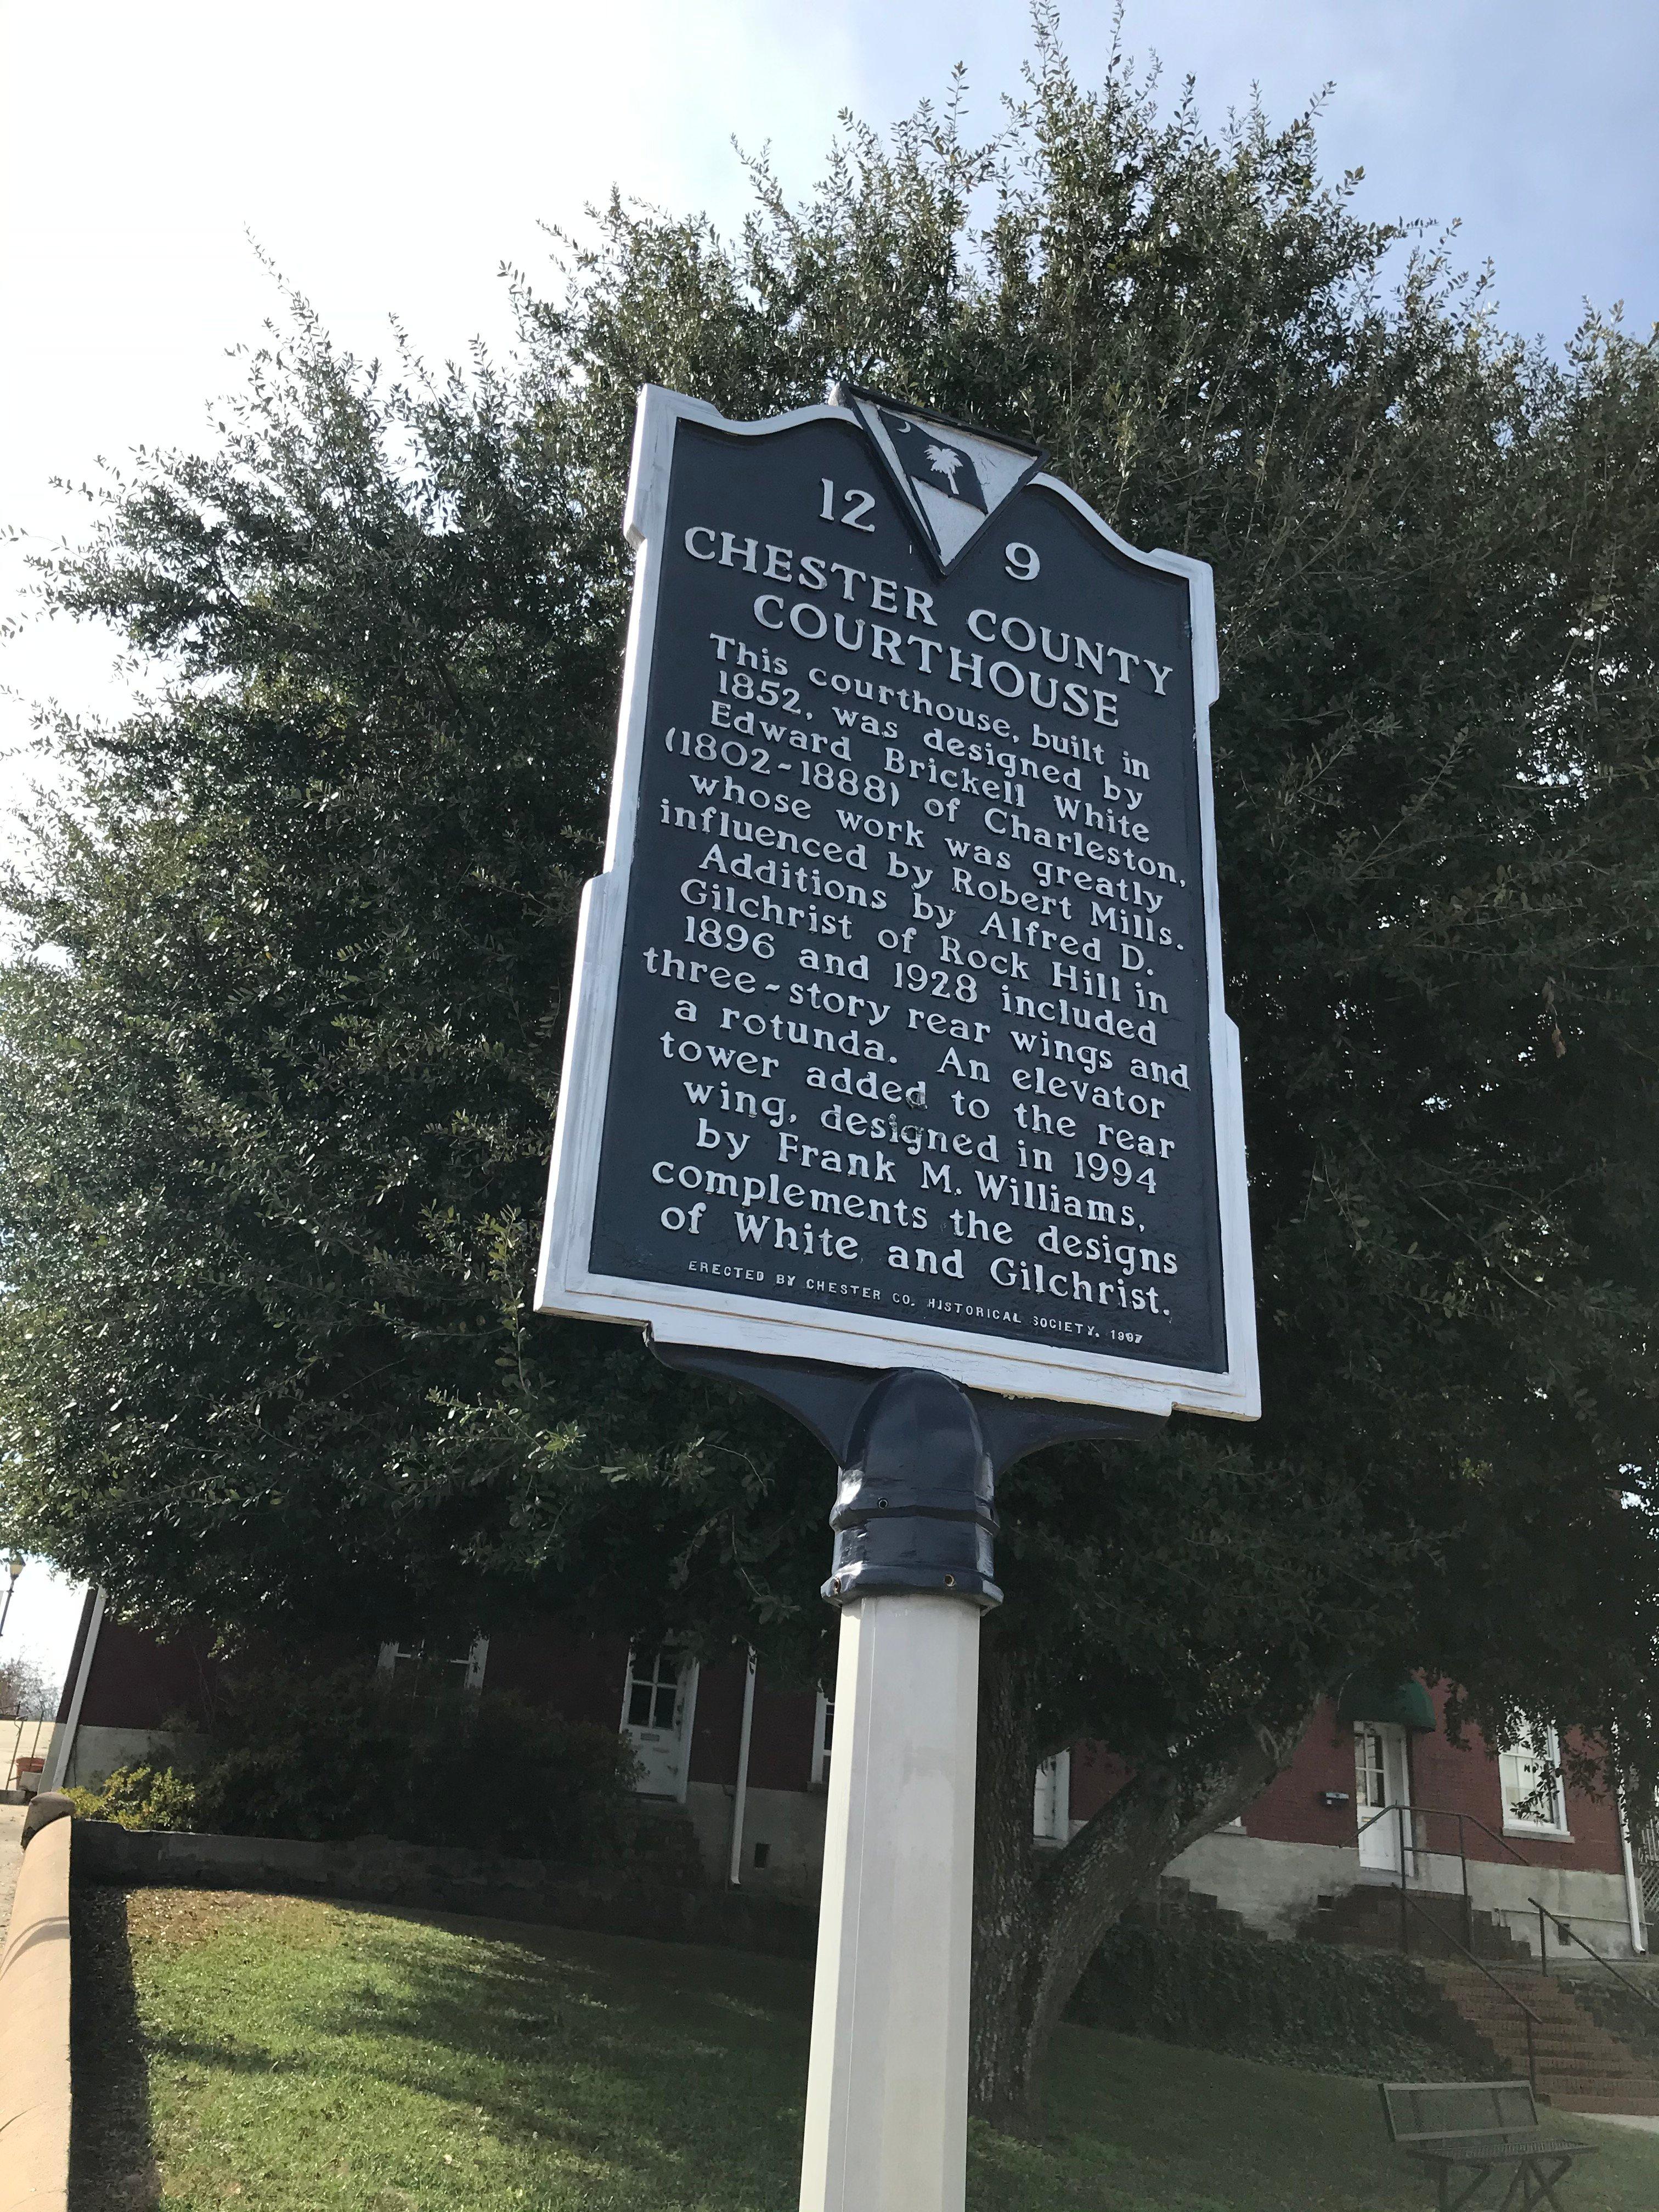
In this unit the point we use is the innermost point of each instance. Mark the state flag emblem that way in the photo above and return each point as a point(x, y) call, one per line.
point(952, 479)
point(927, 459)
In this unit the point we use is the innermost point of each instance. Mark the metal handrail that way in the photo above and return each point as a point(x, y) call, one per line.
point(1408, 1851)
point(1410, 1904)
point(1533, 2020)
point(1449, 1812)
point(11, 1777)
point(1408, 1855)
point(1566, 1929)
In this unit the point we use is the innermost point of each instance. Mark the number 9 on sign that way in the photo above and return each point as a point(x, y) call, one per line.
point(1022, 560)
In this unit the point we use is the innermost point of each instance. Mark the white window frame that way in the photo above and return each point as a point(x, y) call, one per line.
point(824, 1734)
point(476, 1659)
point(1057, 1828)
point(1545, 1751)
point(683, 1711)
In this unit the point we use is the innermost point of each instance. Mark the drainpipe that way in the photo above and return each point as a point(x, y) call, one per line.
point(740, 1797)
point(1632, 1887)
point(64, 1747)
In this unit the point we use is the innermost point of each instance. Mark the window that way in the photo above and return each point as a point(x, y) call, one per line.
point(653, 1692)
point(437, 1664)
point(1529, 1774)
point(1051, 1805)
point(1371, 1774)
point(823, 1736)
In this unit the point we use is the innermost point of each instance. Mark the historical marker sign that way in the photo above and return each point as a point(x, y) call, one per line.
point(898, 1037)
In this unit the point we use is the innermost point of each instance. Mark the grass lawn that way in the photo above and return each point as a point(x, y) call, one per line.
point(278, 2055)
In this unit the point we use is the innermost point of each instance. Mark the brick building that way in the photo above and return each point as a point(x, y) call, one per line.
point(1376, 1784)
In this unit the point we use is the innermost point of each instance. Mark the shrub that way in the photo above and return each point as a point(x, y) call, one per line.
point(1303, 2004)
point(142, 1796)
point(331, 1755)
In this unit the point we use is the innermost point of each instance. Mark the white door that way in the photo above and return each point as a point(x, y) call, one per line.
point(1382, 1785)
point(658, 1704)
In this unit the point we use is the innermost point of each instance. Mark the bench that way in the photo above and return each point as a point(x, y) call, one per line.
point(1468, 2129)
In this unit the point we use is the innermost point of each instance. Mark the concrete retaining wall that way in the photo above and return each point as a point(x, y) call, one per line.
point(99, 1751)
point(641, 1900)
point(1594, 1903)
point(1274, 1887)
point(34, 2030)
point(786, 1826)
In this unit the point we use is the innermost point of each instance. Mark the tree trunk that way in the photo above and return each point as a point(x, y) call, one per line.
point(1001, 2061)
point(1039, 1917)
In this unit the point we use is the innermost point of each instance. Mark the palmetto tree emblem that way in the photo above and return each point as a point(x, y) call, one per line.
point(944, 463)
point(935, 462)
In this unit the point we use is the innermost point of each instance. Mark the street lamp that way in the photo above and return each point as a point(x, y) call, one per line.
point(15, 1566)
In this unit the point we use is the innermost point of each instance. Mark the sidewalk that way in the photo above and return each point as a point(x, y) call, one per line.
point(11, 1857)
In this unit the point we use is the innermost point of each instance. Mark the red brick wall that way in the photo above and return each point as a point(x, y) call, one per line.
point(1096, 1776)
point(780, 1736)
point(1288, 1809)
point(139, 1681)
point(1465, 1779)
point(580, 1676)
point(780, 1750)
point(717, 1726)
point(1446, 1779)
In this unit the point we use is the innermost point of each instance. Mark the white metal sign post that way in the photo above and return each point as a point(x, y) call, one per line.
point(887, 2093)
point(899, 1087)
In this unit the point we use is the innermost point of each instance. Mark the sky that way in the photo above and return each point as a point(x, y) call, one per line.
point(387, 159)
point(40, 1625)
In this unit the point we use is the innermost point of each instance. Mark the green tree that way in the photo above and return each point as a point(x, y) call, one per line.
point(282, 1048)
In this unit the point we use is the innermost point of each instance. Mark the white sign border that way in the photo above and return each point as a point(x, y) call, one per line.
point(708, 1315)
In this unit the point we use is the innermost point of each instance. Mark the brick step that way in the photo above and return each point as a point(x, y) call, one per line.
point(1494, 2007)
point(1567, 2089)
point(1581, 2064)
point(1482, 1997)
point(1579, 2057)
point(1554, 2046)
point(1173, 1903)
point(1542, 1994)
point(1551, 2034)
point(1553, 2067)
point(1580, 2067)
point(1584, 2057)
point(1368, 1917)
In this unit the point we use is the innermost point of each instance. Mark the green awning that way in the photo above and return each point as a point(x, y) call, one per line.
point(1402, 1699)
